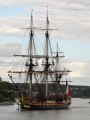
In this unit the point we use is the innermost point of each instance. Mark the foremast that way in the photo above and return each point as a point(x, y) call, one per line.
point(29, 63)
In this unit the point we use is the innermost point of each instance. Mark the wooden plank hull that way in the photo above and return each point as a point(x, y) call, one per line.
point(49, 105)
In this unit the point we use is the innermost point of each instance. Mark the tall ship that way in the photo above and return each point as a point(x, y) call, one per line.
point(41, 87)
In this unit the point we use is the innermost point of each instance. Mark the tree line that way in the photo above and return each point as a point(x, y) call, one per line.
point(6, 91)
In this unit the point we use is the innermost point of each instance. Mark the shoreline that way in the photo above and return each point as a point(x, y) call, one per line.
point(7, 103)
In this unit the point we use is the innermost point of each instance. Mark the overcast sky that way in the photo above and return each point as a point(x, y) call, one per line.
point(71, 17)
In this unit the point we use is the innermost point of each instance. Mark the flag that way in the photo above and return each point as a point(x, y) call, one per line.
point(68, 90)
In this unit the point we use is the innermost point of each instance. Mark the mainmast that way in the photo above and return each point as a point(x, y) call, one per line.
point(31, 64)
point(47, 64)
point(57, 58)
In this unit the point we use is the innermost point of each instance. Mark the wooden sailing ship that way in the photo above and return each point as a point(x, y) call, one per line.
point(45, 93)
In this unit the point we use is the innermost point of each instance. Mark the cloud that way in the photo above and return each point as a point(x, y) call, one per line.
point(16, 2)
point(7, 49)
point(10, 64)
point(61, 4)
point(69, 27)
point(80, 73)
point(72, 24)
point(79, 69)
point(11, 25)
point(85, 81)
point(5, 66)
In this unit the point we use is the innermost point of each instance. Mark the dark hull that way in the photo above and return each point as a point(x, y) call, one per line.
point(48, 107)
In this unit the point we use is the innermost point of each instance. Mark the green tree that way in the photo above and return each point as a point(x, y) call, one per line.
point(1, 98)
point(86, 92)
point(6, 91)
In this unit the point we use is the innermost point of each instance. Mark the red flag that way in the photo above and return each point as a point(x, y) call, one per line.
point(69, 92)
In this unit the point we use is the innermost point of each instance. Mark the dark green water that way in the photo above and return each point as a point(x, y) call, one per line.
point(79, 110)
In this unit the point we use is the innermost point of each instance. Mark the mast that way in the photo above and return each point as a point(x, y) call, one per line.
point(31, 64)
point(57, 82)
point(57, 58)
point(47, 64)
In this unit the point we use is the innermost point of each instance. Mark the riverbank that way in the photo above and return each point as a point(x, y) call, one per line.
point(7, 103)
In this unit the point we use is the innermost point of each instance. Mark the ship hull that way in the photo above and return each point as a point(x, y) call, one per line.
point(49, 105)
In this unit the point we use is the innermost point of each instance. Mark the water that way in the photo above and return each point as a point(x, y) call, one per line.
point(79, 110)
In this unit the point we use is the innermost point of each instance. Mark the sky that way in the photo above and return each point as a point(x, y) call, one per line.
point(70, 17)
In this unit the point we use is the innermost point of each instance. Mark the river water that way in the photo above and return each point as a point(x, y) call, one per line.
point(79, 110)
